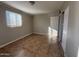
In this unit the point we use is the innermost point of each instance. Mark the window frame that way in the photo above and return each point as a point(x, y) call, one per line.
point(8, 22)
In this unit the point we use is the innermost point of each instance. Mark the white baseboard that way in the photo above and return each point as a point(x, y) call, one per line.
point(65, 55)
point(40, 33)
point(14, 40)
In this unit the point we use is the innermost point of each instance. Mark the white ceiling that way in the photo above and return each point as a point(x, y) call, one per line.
point(40, 7)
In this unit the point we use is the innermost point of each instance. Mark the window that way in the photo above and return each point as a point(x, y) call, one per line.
point(13, 19)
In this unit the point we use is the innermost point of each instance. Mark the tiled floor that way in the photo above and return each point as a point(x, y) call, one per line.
point(34, 45)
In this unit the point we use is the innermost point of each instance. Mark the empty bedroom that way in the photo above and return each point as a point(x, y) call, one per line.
point(38, 28)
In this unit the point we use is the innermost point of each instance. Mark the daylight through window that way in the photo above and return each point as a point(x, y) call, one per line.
point(13, 19)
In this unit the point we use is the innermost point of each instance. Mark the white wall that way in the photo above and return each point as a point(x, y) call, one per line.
point(41, 23)
point(72, 44)
point(54, 22)
point(53, 29)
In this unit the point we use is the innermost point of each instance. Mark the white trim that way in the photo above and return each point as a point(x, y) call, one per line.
point(40, 33)
point(14, 40)
point(65, 55)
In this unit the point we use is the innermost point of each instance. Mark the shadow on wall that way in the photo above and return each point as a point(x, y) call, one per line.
point(77, 52)
point(52, 35)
